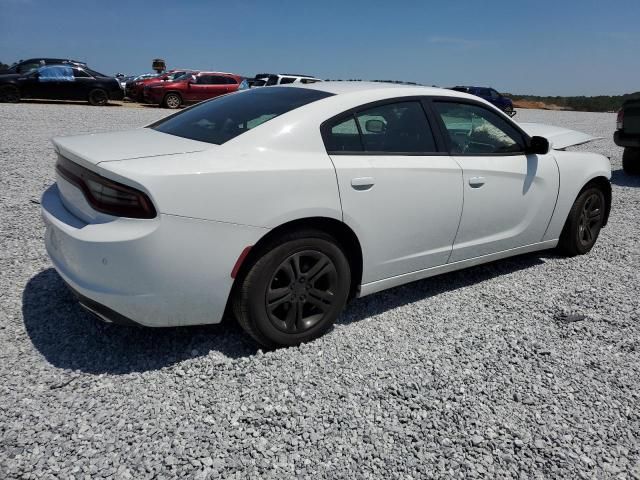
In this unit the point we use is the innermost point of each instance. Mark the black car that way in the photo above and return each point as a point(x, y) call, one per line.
point(491, 95)
point(627, 135)
point(26, 66)
point(60, 82)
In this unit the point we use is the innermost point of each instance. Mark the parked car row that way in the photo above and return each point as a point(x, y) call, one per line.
point(183, 86)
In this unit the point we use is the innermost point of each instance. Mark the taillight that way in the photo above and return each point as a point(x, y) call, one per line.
point(105, 195)
point(620, 119)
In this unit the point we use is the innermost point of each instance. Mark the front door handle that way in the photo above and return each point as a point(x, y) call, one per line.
point(362, 183)
point(476, 182)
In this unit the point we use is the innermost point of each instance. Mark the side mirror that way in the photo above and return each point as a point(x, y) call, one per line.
point(374, 126)
point(538, 146)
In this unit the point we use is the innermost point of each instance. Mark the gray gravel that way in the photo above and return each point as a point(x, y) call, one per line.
point(524, 368)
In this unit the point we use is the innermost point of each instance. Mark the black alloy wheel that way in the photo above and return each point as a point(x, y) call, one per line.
point(301, 291)
point(292, 289)
point(591, 219)
point(98, 97)
point(584, 222)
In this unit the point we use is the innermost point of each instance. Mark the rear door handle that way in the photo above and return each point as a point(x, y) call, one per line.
point(362, 183)
point(476, 182)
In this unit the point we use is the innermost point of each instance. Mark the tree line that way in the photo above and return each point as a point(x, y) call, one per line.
point(600, 103)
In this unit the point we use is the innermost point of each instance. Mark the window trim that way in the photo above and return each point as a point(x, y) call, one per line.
point(526, 139)
point(325, 129)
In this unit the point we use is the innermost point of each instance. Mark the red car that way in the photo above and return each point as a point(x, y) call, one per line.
point(135, 89)
point(193, 88)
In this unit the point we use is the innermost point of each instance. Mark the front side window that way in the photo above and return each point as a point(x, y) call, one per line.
point(223, 118)
point(475, 130)
point(285, 80)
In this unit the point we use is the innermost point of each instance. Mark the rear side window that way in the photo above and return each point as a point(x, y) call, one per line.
point(285, 80)
point(223, 118)
point(475, 130)
point(395, 128)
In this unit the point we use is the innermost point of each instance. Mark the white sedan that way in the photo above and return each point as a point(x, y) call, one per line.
point(280, 204)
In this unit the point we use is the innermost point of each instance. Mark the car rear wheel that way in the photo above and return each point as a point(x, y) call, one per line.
point(508, 110)
point(172, 100)
point(9, 94)
point(584, 222)
point(98, 97)
point(631, 161)
point(294, 290)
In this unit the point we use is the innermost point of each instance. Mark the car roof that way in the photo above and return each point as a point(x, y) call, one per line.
point(338, 88)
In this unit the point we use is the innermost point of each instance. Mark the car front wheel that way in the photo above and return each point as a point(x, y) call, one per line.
point(294, 290)
point(172, 100)
point(631, 161)
point(584, 222)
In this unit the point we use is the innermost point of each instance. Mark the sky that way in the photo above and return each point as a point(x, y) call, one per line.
point(561, 47)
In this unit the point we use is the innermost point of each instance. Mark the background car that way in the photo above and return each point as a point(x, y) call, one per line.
point(134, 90)
point(25, 66)
point(270, 79)
point(282, 203)
point(627, 135)
point(61, 82)
point(490, 95)
point(193, 88)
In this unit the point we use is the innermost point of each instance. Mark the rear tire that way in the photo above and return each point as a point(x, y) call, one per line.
point(631, 161)
point(9, 94)
point(508, 110)
point(584, 222)
point(172, 100)
point(98, 97)
point(294, 291)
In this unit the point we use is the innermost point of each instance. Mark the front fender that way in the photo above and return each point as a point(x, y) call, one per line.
point(576, 170)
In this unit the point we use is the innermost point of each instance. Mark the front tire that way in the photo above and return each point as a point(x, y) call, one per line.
point(631, 161)
point(9, 94)
point(172, 100)
point(584, 222)
point(98, 97)
point(294, 291)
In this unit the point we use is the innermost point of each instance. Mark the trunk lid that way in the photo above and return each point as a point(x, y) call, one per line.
point(95, 148)
point(559, 137)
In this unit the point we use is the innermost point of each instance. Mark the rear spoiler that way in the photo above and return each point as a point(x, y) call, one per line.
point(559, 138)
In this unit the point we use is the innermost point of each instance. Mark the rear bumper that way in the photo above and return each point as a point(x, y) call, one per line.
point(626, 140)
point(167, 271)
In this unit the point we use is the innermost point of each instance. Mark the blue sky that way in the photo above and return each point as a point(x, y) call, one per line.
point(544, 47)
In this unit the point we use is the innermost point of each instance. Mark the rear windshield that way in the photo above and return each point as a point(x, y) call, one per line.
point(223, 118)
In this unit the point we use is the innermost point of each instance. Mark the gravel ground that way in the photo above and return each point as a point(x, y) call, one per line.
point(524, 368)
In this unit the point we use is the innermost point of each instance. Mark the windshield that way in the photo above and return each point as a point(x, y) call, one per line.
point(221, 119)
point(94, 73)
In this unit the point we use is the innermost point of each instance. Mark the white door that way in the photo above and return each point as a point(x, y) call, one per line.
point(509, 196)
point(401, 197)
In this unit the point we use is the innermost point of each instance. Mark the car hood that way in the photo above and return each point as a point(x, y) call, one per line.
point(97, 148)
point(558, 137)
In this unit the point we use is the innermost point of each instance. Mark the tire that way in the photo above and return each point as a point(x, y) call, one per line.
point(98, 97)
point(508, 110)
point(172, 100)
point(294, 291)
point(631, 161)
point(584, 222)
point(9, 94)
